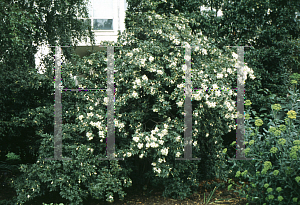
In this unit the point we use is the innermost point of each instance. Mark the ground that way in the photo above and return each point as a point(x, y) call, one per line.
point(134, 197)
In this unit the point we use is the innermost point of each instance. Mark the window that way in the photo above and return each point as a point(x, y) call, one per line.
point(101, 14)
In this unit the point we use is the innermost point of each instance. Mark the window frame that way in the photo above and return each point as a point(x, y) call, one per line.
point(92, 18)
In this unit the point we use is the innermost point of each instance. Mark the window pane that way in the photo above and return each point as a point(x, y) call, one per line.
point(103, 24)
point(103, 9)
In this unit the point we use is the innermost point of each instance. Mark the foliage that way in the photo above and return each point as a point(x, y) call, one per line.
point(149, 117)
point(273, 174)
point(271, 28)
point(274, 35)
point(25, 94)
point(155, 108)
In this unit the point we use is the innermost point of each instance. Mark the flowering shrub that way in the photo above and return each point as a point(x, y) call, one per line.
point(149, 117)
point(273, 175)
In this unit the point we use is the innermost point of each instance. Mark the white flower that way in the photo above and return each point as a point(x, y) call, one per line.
point(230, 92)
point(143, 62)
point(98, 124)
point(161, 142)
point(159, 31)
point(173, 64)
point(155, 110)
point(152, 91)
point(204, 51)
point(128, 154)
point(101, 134)
point(164, 151)
point(134, 94)
point(213, 104)
point(195, 143)
point(138, 82)
point(180, 86)
point(179, 104)
point(151, 58)
point(219, 75)
point(166, 126)
point(158, 170)
point(105, 100)
point(28, 196)
point(218, 93)
point(153, 144)
point(178, 154)
point(215, 86)
point(153, 164)
point(141, 156)
point(136, 50)
point(165, 131)
point(178, 138)
point(88, 134)
point(160, 135)
point(229, 70)
point(234, 55)
point(160, 72)
point(121, 125)
point(153, 138)
point(176, 42)
point(129, 54)
point(116, 123)
point(228, 105)
point(140, 145)
point(207, 134)
point(136, 139)
point(80, 117)
point(145, 77)
point(90, 114)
